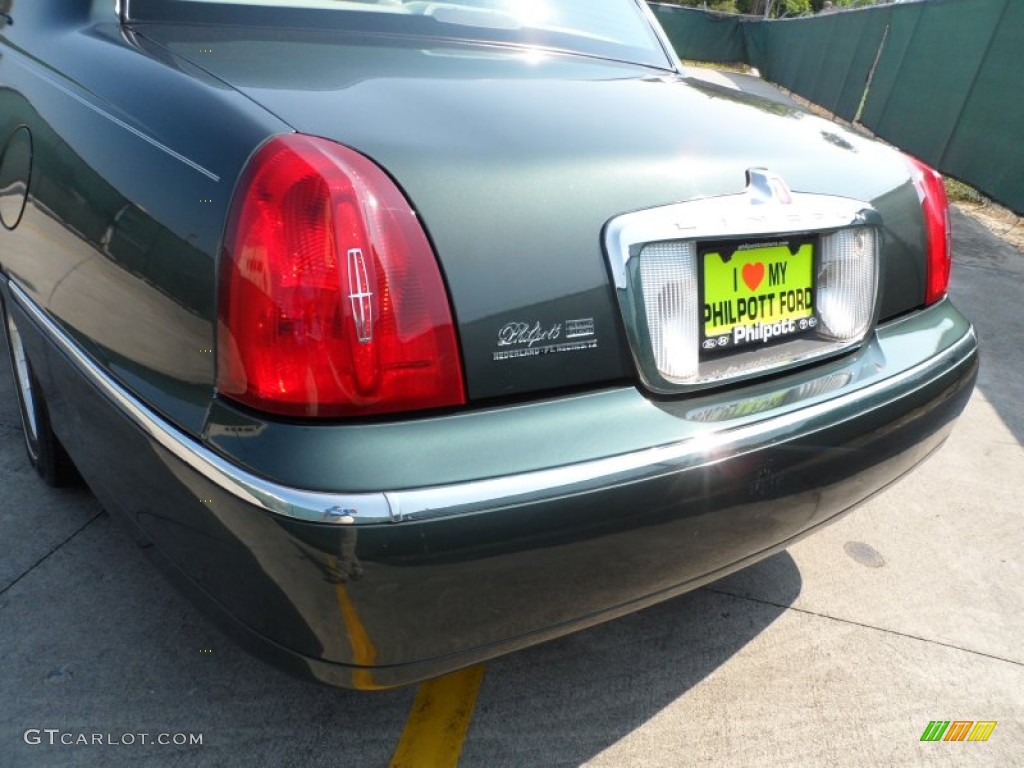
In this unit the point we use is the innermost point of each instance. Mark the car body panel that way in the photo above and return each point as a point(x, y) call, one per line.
point(129, 255)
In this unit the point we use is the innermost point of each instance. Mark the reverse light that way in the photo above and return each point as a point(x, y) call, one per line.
point(331, 300)
point(668, 277)
point(847, 282)
point(935, 205)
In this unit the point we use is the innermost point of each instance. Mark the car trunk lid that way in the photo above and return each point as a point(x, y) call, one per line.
point(515, 160)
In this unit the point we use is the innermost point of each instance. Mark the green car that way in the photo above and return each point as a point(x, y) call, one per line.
point(405, 333)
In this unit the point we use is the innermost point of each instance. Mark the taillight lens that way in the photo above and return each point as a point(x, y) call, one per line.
point(935, 205)
point(331, 300)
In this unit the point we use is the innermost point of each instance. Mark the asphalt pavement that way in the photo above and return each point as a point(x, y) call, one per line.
point(839, 651)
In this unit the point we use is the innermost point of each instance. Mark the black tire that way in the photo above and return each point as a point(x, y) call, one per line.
point(45, 452)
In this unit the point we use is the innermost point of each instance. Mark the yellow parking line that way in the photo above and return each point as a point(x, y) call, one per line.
point(363, 651)
point(438, 722)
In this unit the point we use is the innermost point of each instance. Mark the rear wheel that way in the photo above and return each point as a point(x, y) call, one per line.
point(45, 452)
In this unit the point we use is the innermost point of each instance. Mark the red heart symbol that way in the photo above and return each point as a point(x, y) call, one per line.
point(753, 274)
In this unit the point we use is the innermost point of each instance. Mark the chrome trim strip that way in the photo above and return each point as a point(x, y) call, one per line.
point(512, 490)
point(313, 506)
point(121, 123)
point(562, 482)
point(24, 383)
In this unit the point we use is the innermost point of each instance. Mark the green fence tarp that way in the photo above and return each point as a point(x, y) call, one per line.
point(926, 72)
point(987, 146)
point(854, 50)
point(826, 59)
point(703, 36)
point(948, 89)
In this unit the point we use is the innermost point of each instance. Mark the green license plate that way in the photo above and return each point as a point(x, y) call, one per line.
point(757, 293)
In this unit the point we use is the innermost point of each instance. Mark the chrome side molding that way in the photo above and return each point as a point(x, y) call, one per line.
point(837, 396)
point(312, 506)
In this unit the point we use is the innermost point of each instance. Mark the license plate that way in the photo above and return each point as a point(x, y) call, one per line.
point(756, 292)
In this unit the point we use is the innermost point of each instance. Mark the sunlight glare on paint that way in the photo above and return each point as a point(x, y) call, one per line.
point(532, 13)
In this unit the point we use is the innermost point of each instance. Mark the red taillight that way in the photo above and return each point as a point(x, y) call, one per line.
point(935, 205)
point(331, 301)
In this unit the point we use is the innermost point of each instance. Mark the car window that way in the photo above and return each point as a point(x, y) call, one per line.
point(610, 28)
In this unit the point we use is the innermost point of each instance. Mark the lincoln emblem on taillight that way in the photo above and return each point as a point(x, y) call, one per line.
point(390, 346)
point(360, 296)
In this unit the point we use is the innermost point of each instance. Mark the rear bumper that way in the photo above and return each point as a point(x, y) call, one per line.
point(381, 588)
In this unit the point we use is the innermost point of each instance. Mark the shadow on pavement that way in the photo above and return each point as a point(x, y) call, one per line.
point(577, 696)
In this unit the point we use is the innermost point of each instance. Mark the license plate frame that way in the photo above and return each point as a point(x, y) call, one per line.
point(771, 303)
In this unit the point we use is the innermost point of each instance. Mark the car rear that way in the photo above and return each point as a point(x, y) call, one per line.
point(513, 338)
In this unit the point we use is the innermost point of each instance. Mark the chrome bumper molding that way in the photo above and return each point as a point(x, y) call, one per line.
point(688, 454)
point(508, 491)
